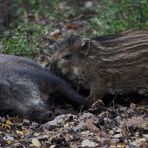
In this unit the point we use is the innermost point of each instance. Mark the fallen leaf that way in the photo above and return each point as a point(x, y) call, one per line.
point(88, 143)
point(8, 122)
point(36, 142)
point(138, 122)
point(55, 35)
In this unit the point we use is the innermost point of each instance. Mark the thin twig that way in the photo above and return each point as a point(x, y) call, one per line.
point(25, 34)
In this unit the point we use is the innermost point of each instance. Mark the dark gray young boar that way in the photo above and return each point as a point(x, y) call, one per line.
point(25, 87)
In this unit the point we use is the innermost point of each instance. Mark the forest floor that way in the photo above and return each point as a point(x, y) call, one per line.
point(116, 128)
point(121, 126)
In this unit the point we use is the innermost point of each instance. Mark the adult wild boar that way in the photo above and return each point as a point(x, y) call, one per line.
point(25, 87)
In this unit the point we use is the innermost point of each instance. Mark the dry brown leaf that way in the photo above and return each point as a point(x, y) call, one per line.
point(138, 122)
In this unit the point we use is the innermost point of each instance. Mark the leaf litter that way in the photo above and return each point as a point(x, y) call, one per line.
point(120, 127)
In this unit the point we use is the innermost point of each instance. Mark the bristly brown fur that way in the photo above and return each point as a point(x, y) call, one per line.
point(111, 64)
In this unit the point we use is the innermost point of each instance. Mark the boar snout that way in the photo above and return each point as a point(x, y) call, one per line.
point(39, 116)
point(37, 111)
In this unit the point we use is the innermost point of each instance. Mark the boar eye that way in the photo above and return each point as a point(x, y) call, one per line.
point(67, 56)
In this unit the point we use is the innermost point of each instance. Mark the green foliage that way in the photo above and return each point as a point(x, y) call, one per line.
point(42, 7)
point(120, 15)
point(17, 39)
point(25, 34)
point(23, 40)
point(48, 9)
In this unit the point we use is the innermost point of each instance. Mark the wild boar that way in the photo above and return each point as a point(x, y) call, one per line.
point(116, 64)
point(25, 87)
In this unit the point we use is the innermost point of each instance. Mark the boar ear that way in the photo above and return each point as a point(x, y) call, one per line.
point(85, 45)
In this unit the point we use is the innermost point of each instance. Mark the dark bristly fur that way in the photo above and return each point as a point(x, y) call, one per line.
point(25, 87)
point(112, 64)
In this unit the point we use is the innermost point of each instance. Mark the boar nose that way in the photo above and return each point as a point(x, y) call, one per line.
point(49, 116)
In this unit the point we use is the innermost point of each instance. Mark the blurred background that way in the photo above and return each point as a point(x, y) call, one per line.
point(30, 26)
